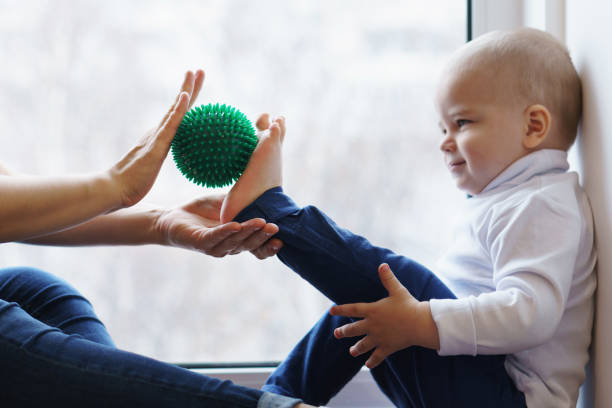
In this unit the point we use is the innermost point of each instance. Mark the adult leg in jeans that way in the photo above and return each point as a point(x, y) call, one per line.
point(53, 302)
point(343, 266)
point(55, 351)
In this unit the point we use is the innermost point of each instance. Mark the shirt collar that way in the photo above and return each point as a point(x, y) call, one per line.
point(536, 163)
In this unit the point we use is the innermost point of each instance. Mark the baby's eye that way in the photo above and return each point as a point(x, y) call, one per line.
point(462, 122)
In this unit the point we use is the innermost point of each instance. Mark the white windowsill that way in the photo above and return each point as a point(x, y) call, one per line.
point(361, 391)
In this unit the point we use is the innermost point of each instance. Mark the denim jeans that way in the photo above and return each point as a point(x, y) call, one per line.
point(344, 267)
point(55, 352)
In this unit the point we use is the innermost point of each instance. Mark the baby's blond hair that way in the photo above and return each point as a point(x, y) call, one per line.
point(540, 71)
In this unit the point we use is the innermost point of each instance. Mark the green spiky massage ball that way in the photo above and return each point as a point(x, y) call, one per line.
point(213, 144)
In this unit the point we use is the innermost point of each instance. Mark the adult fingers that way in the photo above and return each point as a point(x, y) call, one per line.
point(254, 241)
point(263, 122)
point(269, 249)
point(234, 242)
point(168, 129)
point(188, 83)
point(351, 330)
point(187, 86)
point(260, 237)
point(211, 238)
point(349, 310)
point(197, 86)
point(255, 222)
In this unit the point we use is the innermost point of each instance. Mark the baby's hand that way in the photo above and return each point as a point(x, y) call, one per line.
point(390, 324)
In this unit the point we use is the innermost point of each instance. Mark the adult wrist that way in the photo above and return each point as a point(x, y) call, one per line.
point(141, 225)
point(159, 231)
point(103, 185)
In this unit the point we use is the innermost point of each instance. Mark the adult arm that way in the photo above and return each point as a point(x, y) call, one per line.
point(33, 206)
point(194, 226)
point(82, 210)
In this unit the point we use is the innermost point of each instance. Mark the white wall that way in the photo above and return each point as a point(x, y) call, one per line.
point(589, 38)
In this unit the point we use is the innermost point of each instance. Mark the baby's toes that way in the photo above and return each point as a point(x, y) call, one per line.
point(263, 122)
point(281, 123)
point(275, 132)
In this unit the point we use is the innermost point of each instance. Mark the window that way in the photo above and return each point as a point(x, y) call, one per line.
point(81, 81)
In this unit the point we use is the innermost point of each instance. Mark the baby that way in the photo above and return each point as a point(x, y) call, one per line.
point(505, 320)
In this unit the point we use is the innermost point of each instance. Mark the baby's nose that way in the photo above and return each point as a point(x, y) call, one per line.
point(447, 144)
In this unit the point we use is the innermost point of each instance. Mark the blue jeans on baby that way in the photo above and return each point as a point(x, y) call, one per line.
point(55, 352)
point(344, 267)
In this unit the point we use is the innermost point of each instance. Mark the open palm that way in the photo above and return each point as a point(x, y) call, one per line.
point(196, 226)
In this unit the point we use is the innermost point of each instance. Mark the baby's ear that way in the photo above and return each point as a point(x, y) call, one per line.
point(537, 126)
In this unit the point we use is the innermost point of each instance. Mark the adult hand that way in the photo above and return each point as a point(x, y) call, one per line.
point(196, 226)
point(134, 175)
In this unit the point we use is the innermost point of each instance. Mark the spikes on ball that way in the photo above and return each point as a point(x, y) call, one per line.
point(213, 144)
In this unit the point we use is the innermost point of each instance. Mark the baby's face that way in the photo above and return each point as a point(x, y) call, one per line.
point(482, 130)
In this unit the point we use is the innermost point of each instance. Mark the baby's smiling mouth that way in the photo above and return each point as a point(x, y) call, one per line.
point(455, 164)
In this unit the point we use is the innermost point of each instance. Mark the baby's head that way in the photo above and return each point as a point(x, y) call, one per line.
point(503, 96)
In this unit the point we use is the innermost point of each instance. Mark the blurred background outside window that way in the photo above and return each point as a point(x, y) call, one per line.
point(81, 81)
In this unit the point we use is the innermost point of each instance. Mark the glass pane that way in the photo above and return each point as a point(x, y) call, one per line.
point(81, 81)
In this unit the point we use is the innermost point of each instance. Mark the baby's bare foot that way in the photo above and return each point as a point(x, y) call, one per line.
point(263, 171)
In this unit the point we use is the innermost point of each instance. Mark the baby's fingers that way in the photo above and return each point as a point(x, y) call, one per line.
point(349, 310)
point(362, 346)
point(351, 330)
point(377, 357)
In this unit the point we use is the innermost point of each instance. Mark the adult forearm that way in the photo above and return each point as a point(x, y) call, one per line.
point(131, 226)
point(31, 206)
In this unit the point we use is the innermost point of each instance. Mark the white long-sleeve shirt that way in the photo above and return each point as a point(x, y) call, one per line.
point(522, 267)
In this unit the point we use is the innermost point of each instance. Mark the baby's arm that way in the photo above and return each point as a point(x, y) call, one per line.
point(533, 269)
point(532, 287)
